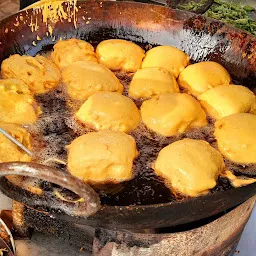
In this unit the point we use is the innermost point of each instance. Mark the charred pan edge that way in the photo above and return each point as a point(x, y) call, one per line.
point(202, 38)
point(192, 241)
point(222, 234)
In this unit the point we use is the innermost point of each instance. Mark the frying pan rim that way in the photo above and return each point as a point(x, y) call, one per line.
point(132, 3)
point(188, 14)
point(159, 205)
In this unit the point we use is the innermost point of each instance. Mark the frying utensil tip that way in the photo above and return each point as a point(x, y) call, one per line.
point(11, 138)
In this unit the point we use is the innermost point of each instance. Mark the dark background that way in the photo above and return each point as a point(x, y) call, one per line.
point(25, 3)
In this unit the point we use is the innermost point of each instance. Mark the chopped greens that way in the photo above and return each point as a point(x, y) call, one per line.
point(230, 12)
point(192, 5)
point(249, 8)
point(234, 14)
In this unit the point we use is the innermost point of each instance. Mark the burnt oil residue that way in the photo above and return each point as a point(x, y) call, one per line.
point(248, 170)
point(130, 239)
point(51, 130)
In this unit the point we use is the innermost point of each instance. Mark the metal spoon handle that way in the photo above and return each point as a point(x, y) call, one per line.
point(88, 206)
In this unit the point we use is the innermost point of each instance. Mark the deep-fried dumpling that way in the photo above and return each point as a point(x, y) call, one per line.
point(200, 77)
point(118, 54)
point(168, 57)
point(225, 100)
point(17, 105)
point(190, 167)
point(109, 110)
point(10, 152)
point(84, 78)
point(236, 137)
point(169, 114)
point(72, 50)
point(102, 157)
point(39, 73)
point(149, 82)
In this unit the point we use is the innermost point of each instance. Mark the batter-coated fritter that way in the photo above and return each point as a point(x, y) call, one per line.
point(190, 167)
point(200, 77)
point(69, 51)
point(109, 110)
point(173, 113)
point(168, 57)
point(226, 100)
point(39, 73)
point(84, 78)
point(149, 82)
point(102, 157)
point(17, 104)
point(118, 54)
point(236, 137)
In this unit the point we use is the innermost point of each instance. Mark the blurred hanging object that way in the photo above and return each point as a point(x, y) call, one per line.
point(26, 3)
point(7, 246)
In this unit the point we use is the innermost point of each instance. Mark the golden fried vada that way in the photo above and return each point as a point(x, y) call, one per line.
point(236, 137)
point(39, 73)
point(190, 167)
point(170, 114)
point(109, 110)
point(17, 105)
point(200, 77)
point(117, 54)
point(69, 51)
point(225, 100)
point(149, 82)
point(102, 157)
point(84, 78)
point(168, 57)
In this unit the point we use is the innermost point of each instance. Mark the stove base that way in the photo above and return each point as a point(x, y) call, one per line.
point(217, 238)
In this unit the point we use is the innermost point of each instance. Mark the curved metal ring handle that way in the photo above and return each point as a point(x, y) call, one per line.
point(89, 206)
